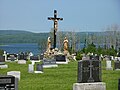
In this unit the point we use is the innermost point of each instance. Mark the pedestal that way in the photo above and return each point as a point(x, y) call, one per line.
point(89, 86)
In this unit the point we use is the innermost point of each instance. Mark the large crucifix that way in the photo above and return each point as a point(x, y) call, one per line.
point(55, 19)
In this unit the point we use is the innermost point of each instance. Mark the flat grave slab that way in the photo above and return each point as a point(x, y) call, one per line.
point(3, 66)
point(89, 86)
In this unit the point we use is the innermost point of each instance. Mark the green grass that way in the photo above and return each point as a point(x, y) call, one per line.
point(60, 78)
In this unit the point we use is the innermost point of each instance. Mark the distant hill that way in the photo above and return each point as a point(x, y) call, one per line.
point(19, 36)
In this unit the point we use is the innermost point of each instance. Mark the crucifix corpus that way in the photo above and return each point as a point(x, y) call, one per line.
point(55, 19)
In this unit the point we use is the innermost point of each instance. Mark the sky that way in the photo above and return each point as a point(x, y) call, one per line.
point(78, 15)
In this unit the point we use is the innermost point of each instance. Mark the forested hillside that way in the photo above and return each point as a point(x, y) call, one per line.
point(14, 36)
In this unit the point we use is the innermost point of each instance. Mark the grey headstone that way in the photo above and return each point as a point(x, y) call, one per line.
point(39, 67)
point(31, 68)
point(108, 65)
point(21, 56)
point(49, 62)
point(117, 65)
point(89, 71)
point(2, 60)
point(8, 83)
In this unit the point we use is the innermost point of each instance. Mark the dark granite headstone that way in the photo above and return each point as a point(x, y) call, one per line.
point(117, 64)
point(21, 56)
point(2, 59)
point(41, 56)
point(39, 67)
point(34, 58)
point(8, 83)
point(60, 58)
point(89, 71)
point(12, 57)
point(49, 62)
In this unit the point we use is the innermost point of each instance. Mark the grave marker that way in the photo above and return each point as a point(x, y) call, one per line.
point(8, 83)
point(60, 59)
point(89, 71)
point(49, 63)
point(117, 65)
point(108, 65)
point(39, 68)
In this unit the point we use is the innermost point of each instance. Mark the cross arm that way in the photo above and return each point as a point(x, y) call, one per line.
point(51, 18)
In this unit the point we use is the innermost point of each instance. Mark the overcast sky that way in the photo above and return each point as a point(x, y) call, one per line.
point(79, 15)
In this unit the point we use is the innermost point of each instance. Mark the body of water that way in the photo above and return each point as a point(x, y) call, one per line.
point(21, 47)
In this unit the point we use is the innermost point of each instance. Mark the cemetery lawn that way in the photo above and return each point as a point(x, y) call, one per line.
point(61, 78)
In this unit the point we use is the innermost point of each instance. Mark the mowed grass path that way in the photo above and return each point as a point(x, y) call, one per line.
point(61, 78)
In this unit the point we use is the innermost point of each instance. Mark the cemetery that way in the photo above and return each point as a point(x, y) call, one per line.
point(57, 69)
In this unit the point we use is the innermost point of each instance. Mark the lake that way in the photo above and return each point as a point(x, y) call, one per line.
point(21, 47)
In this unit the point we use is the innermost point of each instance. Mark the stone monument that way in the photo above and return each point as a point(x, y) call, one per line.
point(8, 82)
point(108, 65)
point(39, 68)
point(89, 76)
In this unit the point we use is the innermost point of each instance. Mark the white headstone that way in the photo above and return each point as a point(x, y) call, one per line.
point(15, 74)
point(108, 65)
point(3, 66)
point(31, 68)
point(21, 61)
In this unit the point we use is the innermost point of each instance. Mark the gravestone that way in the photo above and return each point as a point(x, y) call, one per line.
point(89, 71)
point(21, 56)
point(12, 57)
point(31, 68)
point(39, 68)
point(8, 82)
point(108, 65)
point(21, 61)
point(2, 60)
point(49, 63)
point(60, 59)
point(89, 76)
point(16, 74)
point(41, 56)
point(35, 58)
point(117, 65)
